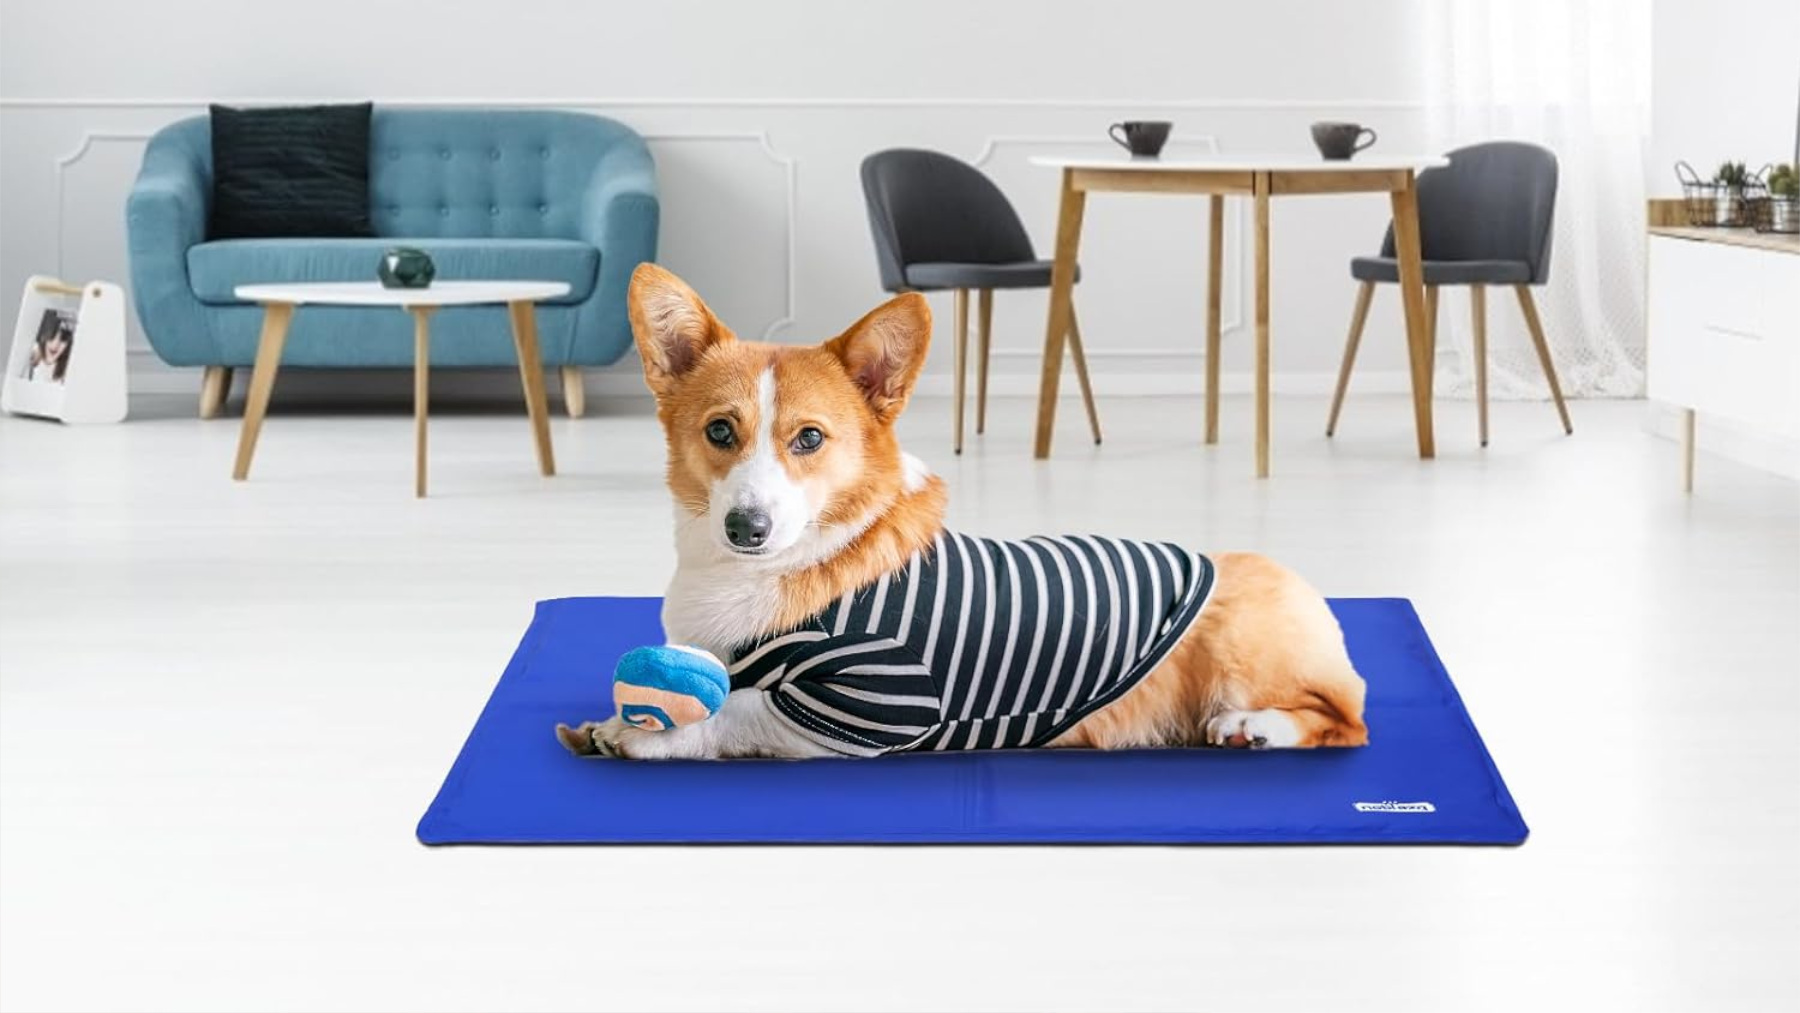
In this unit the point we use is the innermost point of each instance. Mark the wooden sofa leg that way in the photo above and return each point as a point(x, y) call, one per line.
point(574, 394)
point(215, 387)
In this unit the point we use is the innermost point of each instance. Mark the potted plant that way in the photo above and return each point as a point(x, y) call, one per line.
point(1729, 202)
point(1783, 205)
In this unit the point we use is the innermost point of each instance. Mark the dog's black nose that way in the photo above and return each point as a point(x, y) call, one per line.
point(747, 529)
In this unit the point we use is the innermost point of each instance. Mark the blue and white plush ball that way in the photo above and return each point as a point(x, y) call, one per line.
point(657, 688)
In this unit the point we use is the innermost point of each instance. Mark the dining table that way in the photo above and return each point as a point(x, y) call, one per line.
point(1261, 178)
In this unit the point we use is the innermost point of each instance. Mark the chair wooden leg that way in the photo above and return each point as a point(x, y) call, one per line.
point(1532, 323)
point(1358, 316)
point(215, 387)
point(984, 329)
point(1478, 318)
point(574, 392)
point(1431, 324)
point(961, 338)
point(1079, 354)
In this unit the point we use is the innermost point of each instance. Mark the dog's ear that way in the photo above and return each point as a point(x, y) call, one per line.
point(884, 351)
point(672, 326)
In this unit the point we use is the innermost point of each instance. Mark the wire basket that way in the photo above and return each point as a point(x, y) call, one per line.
point(1776, 214)
point(1710, 204)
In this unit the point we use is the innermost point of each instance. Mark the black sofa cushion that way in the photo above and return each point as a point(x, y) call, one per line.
point(296, 171)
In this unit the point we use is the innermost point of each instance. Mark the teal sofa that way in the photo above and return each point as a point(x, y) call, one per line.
point(494, 194)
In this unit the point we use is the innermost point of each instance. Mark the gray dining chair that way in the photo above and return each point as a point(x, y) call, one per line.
point(1484, 219)
point(940, 224)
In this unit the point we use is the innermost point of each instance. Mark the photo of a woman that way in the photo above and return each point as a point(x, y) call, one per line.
point(50, 352)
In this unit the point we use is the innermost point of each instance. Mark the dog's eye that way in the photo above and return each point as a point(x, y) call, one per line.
point(719, 434)
point(807, 441)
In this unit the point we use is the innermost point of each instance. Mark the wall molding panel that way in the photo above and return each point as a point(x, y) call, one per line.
point(764, 212)
point(791, 210)
point(89, 138)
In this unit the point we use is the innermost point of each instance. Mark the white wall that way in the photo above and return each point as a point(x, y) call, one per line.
point(759, 114)
point(1722, 92)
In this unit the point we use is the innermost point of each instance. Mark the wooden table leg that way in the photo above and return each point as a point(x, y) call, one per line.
point(421, 391)
point(531, 375)
point(276, 316)
point(1412, 297)
point(1215, 266)
point(1062, 288)
point(1262, 324)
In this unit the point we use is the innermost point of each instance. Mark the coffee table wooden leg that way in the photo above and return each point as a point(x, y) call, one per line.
point(276, 316)
point(1412, 298)
point(1062, 290)
point(531, 375)
point(421, 391)
point(1215, 262)
point(1262, 324)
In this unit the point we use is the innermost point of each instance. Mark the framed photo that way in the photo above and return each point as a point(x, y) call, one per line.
point(48, 361)
point(68, 353)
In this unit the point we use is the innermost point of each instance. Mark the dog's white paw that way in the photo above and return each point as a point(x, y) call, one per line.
point(1264, 729)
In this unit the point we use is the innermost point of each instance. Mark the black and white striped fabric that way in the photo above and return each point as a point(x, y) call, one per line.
point(980, 644)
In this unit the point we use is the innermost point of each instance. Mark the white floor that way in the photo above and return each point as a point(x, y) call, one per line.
point(224, 706)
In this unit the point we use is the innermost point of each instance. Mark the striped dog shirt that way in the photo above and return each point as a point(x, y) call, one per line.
point(980, 644)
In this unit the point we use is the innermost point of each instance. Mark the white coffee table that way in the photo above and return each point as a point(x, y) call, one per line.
point(280, 301)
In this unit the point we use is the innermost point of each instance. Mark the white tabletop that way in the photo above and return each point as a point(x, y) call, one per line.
point(1273, 162)
point(369, 293)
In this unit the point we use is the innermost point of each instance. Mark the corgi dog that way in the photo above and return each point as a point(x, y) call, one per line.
point(813, 561)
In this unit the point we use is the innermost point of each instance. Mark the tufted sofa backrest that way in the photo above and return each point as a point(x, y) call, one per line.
point(466, 173)
point(483, 172)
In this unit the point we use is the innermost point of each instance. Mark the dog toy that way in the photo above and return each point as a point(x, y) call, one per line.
point(657, 688)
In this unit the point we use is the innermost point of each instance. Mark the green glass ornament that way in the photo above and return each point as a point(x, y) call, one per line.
point(406, 267)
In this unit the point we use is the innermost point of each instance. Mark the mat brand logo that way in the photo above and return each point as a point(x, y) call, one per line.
point(1390, 806)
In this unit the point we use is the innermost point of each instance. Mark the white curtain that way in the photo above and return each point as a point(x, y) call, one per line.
point(1573, 76)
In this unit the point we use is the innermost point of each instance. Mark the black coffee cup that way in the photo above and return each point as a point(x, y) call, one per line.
point(1143, 138)
point(1338, 141)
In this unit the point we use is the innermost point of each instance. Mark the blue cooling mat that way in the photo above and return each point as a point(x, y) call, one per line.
point(514, 784)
